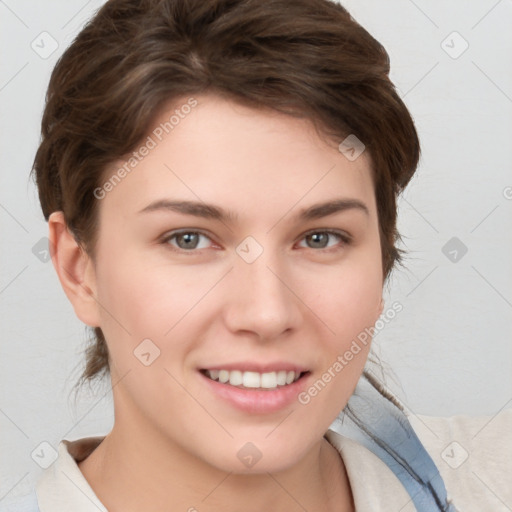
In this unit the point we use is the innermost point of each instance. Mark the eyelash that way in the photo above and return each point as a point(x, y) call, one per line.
point(345, 239)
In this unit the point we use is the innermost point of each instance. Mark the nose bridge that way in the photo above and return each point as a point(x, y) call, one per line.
point(261, 301)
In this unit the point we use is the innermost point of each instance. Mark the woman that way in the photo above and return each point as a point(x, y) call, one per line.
point(220, 182)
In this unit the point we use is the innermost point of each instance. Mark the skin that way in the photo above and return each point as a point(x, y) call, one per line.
point(174, 443)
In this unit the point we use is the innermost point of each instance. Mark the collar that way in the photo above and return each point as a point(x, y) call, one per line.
point(74, 492)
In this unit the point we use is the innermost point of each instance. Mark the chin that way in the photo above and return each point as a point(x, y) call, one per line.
point(257, 457)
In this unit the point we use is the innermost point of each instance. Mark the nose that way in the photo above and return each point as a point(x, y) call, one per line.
point(262, 300)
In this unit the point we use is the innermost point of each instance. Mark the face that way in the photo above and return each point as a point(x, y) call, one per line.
point(216, 262)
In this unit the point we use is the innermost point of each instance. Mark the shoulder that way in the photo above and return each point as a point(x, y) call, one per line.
point(26, 503)
point(54, 492)
point(473, 455)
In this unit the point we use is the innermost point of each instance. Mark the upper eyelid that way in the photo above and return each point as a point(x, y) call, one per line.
point(339, 232)
point(172, 234)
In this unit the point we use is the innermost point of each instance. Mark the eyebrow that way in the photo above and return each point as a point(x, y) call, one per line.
point(211, 211)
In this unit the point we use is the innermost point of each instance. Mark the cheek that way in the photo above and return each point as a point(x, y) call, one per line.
point(133, 290)
point(142, 301)
point(350, 310)
point(348, 306)
point(350, 298)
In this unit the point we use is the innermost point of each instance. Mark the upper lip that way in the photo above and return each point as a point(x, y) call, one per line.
point(251, 366)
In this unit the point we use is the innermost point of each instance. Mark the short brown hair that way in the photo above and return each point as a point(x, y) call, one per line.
point(305, 58)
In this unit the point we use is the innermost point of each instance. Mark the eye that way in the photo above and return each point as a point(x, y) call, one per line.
point(190, 241)
point(186, 240)
point(320, 239)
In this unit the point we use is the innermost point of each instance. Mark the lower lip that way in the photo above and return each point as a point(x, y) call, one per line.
point(257, 401)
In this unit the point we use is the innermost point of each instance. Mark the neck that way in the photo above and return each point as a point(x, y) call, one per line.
point(130, 471)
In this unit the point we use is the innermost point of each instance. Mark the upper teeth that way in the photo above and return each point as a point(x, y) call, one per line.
point(254, 379)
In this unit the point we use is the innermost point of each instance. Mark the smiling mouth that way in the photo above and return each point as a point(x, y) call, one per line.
point(254, 380)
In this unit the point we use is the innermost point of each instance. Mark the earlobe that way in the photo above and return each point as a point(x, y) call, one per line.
point(74, 269)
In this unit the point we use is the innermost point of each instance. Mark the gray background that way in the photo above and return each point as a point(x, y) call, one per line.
point(448, 352)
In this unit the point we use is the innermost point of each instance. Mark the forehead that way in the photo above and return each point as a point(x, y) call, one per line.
point(214, 150)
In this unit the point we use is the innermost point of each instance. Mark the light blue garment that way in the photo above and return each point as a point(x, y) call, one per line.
point(379, 425)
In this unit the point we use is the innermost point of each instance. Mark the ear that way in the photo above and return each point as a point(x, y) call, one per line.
point(75, 270)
